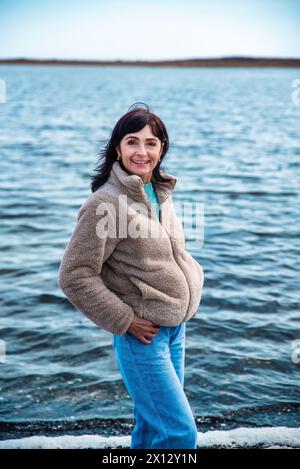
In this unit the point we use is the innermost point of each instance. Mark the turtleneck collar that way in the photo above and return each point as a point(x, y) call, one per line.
point(133, 185)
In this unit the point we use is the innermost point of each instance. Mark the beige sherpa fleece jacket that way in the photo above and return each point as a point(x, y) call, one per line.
point(121, 259)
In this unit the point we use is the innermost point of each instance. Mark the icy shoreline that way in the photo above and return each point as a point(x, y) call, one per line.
point(242, 437)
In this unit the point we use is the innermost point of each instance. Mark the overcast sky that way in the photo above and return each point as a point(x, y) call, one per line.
point(149, 29)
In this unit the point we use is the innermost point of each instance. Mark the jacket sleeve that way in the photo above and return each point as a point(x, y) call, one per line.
point(79, 274)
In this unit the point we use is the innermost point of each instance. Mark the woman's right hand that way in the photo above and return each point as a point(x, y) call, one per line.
point(143, 329)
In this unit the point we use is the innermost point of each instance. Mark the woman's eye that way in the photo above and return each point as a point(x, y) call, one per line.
point(152, 144)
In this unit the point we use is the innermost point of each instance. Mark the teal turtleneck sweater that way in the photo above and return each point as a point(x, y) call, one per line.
point(150, 191)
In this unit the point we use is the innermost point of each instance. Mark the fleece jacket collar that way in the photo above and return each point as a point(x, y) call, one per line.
point(133, 185)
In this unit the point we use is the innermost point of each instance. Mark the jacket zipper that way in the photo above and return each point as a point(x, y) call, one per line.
point(170, 241)
point(149, 207)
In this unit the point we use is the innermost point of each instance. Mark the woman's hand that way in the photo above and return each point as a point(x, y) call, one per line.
point(143, 329)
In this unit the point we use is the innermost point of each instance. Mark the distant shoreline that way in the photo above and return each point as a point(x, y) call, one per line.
point(216, 62)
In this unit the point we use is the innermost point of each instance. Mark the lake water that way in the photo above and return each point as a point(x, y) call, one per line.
point(234, 147)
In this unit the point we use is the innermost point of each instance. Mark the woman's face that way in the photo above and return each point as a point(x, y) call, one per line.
point(140, 152)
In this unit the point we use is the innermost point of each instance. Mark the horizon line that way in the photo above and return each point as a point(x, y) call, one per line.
point(225, 60)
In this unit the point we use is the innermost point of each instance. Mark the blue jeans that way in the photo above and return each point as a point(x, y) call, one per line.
point(154, 376)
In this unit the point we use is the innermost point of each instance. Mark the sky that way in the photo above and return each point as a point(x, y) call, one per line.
point(149, 29)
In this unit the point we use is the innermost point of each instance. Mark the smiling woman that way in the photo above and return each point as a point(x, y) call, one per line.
point(140, 153)
point(143, 289)
point(139, 141)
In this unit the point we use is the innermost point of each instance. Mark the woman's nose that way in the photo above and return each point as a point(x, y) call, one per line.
point(142, 150)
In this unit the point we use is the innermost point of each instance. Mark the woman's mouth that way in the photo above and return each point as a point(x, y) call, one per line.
point(140, 163)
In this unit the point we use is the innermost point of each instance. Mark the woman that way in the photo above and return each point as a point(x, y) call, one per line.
point(126, 268)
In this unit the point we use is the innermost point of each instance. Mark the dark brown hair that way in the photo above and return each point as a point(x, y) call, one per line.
point(133, 121)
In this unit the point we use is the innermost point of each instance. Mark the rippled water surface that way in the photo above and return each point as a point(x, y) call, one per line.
point(234, 147)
